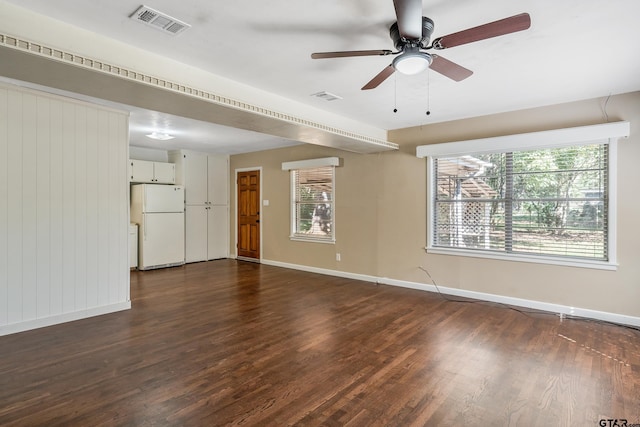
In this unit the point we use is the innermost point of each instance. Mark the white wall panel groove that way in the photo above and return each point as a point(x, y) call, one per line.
point(63, 209)
point(4, 207)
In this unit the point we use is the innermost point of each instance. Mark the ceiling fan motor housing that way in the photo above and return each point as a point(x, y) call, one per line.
point(395, 36)
point(427, 30)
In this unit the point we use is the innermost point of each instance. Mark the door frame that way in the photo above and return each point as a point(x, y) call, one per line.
point(235, 214)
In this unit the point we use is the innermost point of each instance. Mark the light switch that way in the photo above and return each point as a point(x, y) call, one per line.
point(265, 203)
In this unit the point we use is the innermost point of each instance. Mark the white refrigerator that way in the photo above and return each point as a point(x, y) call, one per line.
point(159, 211)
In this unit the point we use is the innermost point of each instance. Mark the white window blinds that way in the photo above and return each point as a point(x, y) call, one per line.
point(539, 202)
point(545, 196)
point(313, 203)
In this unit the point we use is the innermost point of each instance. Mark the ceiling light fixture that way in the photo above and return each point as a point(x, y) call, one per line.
point(412, 61)
point(160, 136)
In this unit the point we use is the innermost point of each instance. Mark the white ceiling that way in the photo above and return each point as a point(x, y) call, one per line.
point(575, 49)
point(196, 135)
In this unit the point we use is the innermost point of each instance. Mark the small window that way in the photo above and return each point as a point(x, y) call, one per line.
point(312, 203)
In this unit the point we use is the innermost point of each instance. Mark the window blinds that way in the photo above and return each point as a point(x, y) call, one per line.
point(550, 201)
point(313, 203)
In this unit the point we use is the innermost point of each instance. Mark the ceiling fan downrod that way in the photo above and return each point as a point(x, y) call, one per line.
point(400, 42)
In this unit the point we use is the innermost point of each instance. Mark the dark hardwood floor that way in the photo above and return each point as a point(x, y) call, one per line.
point(234, 343)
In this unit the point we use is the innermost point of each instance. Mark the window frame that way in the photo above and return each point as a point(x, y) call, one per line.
point(596, 134)
point(295, 166)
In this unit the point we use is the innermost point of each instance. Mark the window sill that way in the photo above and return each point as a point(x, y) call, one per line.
point(312, 240)
point(580, 263)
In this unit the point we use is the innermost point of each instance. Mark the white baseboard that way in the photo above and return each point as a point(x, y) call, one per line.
point(517, 302)
point(63, 318)
point(242, 258)
point(324, 271)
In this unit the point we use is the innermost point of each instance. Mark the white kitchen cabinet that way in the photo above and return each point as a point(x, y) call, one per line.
point(206, 232)
point(195, 178)
point(164, 173)
point(206, 181)
point(218, 232)
point(143, 171)
point(218, 180)
point(205, 177)
point(195, 235)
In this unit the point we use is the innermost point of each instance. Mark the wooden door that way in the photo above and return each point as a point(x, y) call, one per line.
point(249, 214)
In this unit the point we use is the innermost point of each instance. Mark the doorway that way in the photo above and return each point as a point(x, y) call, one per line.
point(248, 214)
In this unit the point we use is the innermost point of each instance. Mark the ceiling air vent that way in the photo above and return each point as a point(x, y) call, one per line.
point(327, 96)
point(159, 20)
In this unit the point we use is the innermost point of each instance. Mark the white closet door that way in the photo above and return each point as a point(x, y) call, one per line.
point(195, 182)
point(217, 231)
point(196, 233)
point(218, 179)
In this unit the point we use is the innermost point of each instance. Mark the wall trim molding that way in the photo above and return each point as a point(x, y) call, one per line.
point(311, 163)
point(62, 318)
point(601, 133)
point(351, 141)
point(501, 299)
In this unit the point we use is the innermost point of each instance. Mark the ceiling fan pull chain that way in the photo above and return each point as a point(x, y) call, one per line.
point(428, 93)
point(395, 93)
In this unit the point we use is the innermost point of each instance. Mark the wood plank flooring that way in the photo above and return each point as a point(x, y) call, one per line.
point(235, 343)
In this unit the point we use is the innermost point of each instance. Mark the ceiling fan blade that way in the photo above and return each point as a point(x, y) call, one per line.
point(382, 76)
point(409, 15)
point(449, 69)
point(348, 53)
point(492, 29)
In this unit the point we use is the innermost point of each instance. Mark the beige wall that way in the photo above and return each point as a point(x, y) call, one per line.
point(356, 209)
point(381, 213)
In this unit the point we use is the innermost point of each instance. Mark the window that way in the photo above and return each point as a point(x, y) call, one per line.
point(547, 202)
point(312, 203)
point(312, 199)
point(544, 198)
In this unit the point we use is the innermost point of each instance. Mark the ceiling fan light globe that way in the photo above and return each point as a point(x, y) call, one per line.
point(412, 63)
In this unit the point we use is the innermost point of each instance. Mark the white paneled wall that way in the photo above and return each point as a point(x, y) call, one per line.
point(63, 210)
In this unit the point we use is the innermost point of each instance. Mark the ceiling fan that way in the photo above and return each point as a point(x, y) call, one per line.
point(411, 36)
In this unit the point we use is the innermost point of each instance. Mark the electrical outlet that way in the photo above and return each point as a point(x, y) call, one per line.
point(337, 256)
